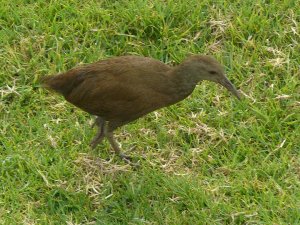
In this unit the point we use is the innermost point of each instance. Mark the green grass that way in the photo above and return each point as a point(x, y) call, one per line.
point(210, 159)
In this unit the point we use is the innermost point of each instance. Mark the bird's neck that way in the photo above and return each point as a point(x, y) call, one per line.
point(184, 81)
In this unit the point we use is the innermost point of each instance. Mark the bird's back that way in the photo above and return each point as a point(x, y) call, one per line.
point(122, 88)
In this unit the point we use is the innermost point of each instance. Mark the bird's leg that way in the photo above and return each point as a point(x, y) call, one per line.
point(100, 134)
point(116, 147)
point(98, 121)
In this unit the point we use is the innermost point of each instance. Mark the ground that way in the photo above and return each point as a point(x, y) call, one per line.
point(209, 159)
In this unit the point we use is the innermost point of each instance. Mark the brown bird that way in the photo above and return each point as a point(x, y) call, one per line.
point(122, 89)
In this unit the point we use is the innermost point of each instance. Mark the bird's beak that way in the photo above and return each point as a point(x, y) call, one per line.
point(230, 87)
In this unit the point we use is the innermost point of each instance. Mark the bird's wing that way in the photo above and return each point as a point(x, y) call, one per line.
point(117, 94)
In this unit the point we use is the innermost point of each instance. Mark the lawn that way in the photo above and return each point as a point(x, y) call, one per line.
point(209, 159)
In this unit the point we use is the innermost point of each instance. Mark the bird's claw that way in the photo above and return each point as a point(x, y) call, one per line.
point(125, 157)
point(128, 159)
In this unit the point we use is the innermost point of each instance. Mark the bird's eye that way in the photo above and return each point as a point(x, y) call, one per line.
point(213, 72)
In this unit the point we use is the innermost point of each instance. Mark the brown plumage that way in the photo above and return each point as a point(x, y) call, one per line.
point(121, 89)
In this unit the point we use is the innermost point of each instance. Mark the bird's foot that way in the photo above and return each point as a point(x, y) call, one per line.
point(125, 157)
point(100, 134)
point(128, 159)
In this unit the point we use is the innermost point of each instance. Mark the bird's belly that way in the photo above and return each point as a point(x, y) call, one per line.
point(125, 110)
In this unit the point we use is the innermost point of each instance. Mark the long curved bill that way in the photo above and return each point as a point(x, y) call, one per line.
point(230, 87)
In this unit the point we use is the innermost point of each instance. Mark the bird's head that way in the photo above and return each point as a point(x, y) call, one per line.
point(207, 68)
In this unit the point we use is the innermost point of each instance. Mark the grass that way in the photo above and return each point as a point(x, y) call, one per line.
point(210, 159)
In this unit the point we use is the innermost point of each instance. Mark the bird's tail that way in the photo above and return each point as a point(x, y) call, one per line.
point(59, 83)
point(64, 83)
